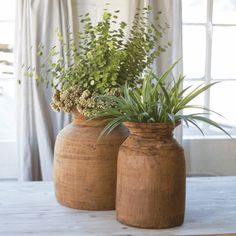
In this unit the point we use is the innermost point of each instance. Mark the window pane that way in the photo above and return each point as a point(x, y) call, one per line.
point(7, 10)
point(194, 51)
point(223, 52)
point(199, 101)
point(6, 33)
point(7, 84)
point(194, 11)
point(222, 100)
point(7, 108)
point(6, 61)
point(224, 12)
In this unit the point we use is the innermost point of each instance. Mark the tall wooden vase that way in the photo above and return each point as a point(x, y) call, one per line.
point(85, 169)
point(151, 177)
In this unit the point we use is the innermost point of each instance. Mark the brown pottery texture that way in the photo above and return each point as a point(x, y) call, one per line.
point(85, 169)
point(151, 177)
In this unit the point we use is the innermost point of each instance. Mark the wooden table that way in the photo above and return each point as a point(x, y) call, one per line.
point(31, 209)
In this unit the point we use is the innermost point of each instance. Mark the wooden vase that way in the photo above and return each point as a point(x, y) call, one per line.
point(85, 169)
point(151, 177)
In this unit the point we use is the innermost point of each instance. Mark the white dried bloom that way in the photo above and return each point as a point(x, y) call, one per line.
point(86, 94)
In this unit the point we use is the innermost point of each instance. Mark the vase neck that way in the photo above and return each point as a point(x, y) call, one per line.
point(157, 131)
point(79, 119)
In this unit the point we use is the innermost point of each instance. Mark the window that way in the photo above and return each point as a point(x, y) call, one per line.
point(8, 161)
point(209, 49)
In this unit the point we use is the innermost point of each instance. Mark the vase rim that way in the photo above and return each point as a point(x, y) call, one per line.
point(130, 124)
point(76, 113)
point(86, 121)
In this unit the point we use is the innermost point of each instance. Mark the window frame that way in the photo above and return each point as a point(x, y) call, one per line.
point(207, 78)
point(8, 146)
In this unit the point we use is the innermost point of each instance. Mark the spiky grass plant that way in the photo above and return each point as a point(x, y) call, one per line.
point(157, 100)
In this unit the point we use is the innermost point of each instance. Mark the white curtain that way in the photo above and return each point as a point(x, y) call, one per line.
point(37, 125)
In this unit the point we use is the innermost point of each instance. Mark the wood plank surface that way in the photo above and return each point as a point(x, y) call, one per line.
point(31, 209)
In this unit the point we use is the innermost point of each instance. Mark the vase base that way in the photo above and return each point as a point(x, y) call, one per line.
point(86, 206)
point(150, 226)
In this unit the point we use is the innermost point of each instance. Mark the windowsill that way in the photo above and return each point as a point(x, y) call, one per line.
point(208, 137)
point(8, 180)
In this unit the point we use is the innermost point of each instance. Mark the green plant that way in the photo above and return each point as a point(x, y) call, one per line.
point(156, 100)
point(99, 60)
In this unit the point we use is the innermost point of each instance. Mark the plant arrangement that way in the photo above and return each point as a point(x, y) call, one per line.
point(100, 59)
point(151, 162)
point(97, 61)
point(157, 100)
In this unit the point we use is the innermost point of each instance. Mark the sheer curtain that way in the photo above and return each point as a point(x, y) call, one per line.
point(37, 125)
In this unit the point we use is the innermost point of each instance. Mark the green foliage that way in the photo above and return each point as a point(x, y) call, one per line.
point(100, 57)
point(105, 59)
point(156, 100)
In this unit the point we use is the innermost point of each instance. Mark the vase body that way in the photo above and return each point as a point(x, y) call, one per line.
point(85, 168)
point(151, 177)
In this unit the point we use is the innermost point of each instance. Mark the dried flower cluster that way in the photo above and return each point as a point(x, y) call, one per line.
point(87, 103)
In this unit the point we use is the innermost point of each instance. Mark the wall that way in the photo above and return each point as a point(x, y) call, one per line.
point(210, 156)
point(8, 160)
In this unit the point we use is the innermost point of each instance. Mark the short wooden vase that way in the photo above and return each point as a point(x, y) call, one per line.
point(151, 177)
point(85, 169)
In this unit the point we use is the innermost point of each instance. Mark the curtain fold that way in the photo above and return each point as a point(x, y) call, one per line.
point(37, 125)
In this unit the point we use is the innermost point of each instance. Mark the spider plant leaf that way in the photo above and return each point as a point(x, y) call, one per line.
point(210, 122)
point(165, 75)
point(182, 117)
point(193, 95)
point(177, 85)
point(137, 99)
point(99, 122)
point(167, 97)
point(194, 123)
point(184, 90)
point(202, 108)
point(112, 124)
point(172, 118)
